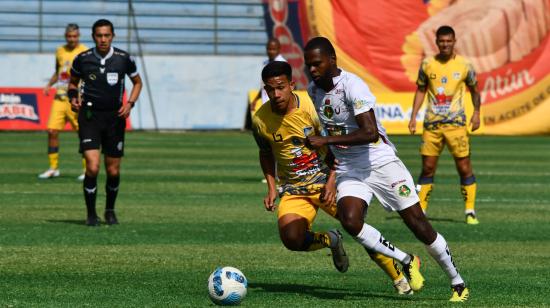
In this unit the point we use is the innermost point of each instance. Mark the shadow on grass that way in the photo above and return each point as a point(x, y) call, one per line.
point(67, 221)
point(320, 292)
point(430, 219)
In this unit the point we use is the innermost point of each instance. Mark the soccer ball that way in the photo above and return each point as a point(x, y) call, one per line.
point(227, 286)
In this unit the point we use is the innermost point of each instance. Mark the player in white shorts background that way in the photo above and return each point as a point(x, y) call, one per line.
point(368, 165)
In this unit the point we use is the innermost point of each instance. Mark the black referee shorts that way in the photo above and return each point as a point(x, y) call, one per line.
point(101, 129)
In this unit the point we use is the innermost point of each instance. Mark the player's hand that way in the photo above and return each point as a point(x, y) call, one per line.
point(46, 90)
point(412, 126)
point(124, 110)
point(328, 193)
point(75, 105)
point(475, 121)
point(269, 201)
point(316, 141)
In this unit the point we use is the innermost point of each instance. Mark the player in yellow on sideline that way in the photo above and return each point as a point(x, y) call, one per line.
point(61, 112)
point(305, 184)
point(443, 77)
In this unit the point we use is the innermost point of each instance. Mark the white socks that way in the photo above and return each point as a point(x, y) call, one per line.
point(372, 239)
point(441, 253)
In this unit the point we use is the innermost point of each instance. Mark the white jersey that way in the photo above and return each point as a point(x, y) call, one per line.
point(337, 110)
point(265, 98)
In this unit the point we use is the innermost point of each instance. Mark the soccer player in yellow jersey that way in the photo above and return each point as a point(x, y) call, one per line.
point(305, 184)
point(61, 108)
point(444, 77)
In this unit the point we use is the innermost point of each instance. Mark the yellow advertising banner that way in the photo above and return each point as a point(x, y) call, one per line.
point(384, 42)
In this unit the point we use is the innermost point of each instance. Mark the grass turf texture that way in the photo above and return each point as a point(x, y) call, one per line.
point(191, 202)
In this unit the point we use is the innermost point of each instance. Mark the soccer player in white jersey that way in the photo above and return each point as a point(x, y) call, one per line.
point(368, 165)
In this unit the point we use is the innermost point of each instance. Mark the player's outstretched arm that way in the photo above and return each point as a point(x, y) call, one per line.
point(417, 103)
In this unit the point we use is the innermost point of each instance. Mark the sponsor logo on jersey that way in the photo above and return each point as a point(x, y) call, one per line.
point(112, 78)
point(433, 76)
point(19, 106)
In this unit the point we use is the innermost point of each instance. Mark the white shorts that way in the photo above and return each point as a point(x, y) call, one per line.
point(392, 184)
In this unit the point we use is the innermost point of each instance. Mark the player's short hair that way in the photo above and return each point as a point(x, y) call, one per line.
point(321, 43)
point(273, 40)
point(102, 23)
point(71, 27)
point(277, 68)
point(444, 30)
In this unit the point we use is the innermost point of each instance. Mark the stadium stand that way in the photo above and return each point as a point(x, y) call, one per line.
point(164, 26)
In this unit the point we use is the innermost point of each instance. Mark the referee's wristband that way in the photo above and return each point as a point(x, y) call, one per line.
point(72, 93)
point(131, 104)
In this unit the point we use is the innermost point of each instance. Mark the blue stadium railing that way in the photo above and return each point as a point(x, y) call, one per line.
point(165, 26)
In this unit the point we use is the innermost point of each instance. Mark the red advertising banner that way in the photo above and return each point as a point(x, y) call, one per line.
point(28, 109)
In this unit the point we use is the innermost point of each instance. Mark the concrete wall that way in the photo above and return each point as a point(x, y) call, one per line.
point(188, 92)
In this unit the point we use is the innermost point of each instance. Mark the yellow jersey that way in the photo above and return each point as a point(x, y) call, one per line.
point(445, 84)
point(300, 170)
point(63, 62)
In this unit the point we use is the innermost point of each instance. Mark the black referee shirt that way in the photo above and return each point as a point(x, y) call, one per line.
point(103, 77)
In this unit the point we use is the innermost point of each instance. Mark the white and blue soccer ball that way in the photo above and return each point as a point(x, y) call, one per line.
point(227, 286)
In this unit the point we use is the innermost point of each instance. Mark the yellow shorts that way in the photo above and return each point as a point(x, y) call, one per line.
point(305, 206)
point(61, 113)
point(455, 137)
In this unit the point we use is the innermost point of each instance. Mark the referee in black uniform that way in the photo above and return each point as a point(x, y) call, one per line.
point(101, 114)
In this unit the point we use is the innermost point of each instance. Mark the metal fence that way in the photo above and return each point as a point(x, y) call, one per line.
point(163, 26)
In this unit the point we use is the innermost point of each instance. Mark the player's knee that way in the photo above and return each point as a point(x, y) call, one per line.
point(351, 222)
point(53, 133)
point(92, 169)
point(293, 241)
point(113, 171)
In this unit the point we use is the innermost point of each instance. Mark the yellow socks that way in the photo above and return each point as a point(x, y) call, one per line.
point(426, 186)
point(54, 160)
point(316, 241)
point(469, 194)
point(388, 265)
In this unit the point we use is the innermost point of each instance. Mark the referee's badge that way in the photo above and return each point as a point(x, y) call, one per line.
point(112, 78)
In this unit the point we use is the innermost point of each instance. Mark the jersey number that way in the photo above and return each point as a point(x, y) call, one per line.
point(277, 137)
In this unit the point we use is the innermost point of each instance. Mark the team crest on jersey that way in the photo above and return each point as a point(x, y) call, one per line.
point(296, 141)
point(92, 77)
point(328, 111)
point(404, 191)
point(308, 130)
point(112, 78)
point(358, 104)
point(444, 79)
point(327, 101)
point(456, 75)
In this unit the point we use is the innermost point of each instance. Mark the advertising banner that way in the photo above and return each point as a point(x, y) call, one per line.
point(384, 42)
point(24, 108)
point(28, 109)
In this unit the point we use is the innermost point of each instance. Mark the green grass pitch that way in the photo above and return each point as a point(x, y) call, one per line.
point(191, 202)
